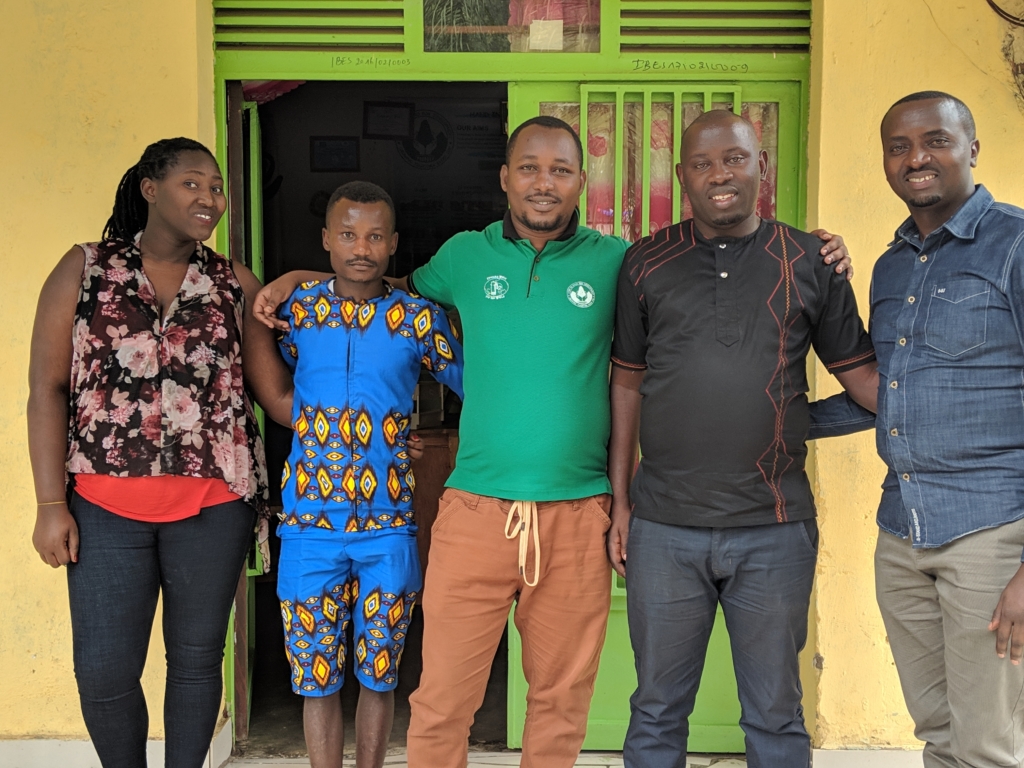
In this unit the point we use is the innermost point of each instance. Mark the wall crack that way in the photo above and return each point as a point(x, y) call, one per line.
point(1013, 50)
point(967, 56)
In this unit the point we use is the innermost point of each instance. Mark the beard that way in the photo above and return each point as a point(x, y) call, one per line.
point(542, 226)
point(924, 202)
point(729, 219)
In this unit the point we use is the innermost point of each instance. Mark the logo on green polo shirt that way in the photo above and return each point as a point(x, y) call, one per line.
point(581, 294)
point(495, 287)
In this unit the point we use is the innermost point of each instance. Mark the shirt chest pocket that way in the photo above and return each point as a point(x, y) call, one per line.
point(957, 316)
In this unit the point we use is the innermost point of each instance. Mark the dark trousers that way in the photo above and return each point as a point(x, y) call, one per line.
point(123, 565)
point(676, 577)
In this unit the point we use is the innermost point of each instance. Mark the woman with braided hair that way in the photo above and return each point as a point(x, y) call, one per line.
point(148, 464)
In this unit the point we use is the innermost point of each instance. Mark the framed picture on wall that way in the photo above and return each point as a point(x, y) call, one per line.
point(333, 154)
point(388, 120)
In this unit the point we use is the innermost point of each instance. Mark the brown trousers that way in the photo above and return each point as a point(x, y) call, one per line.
point(472, 578)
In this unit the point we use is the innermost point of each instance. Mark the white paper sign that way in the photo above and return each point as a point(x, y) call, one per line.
point(546, 35)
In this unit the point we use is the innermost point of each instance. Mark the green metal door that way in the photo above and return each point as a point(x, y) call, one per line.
point(632, 133)
point(245, 245)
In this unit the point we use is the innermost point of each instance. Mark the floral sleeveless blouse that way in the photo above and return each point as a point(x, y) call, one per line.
point(152, 397)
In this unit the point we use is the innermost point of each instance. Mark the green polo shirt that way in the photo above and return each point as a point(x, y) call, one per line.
point(538, 331)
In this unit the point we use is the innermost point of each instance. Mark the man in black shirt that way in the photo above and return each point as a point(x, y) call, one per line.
point(714, 320)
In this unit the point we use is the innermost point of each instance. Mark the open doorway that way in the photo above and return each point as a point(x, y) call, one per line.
point(437, 149)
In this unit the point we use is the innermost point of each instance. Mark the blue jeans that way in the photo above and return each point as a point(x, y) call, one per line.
point(676, 578)
point(123, 565)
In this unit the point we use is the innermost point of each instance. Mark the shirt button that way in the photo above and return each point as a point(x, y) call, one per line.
point(893, 385)
point(724, 274)
point(911, 299)
point(906, 476)
point(894, 432)
point(721, 245)
point(536, 278)
point(924, 257)
point(903, 342)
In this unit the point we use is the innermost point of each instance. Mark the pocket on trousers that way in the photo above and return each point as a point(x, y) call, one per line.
point(600, 506)
point(809, 533)
point(448, 505)
point(957, 318)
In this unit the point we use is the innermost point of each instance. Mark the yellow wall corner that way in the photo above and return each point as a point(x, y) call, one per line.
point(86, 86)
point(866, 54)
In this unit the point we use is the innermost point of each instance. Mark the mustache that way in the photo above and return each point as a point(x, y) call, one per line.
point(918, 171)
point(544, 199)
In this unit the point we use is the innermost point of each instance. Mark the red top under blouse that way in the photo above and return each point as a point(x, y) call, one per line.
point(160, 499)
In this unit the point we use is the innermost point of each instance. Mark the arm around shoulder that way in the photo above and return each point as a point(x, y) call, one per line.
point(264, 370)
point(435, 280)
point(275, 293)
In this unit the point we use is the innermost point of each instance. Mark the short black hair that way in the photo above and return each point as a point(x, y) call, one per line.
point(544, 121)
point(362, 192)
point(963, 111)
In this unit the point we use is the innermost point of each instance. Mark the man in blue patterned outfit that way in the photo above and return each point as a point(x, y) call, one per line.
point(348, 545)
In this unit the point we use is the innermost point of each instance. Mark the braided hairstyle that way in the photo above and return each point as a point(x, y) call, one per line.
point(130, 208)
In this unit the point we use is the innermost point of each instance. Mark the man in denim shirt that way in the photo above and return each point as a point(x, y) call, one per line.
point(947, 322)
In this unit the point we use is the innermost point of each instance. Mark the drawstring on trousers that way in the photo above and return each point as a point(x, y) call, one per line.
point(528, 521)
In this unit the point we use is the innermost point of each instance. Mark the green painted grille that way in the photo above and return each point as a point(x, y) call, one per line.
point(309, 25)
point(714, 26)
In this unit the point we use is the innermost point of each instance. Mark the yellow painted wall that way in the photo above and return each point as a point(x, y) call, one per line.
point(86, 85)
point(866, 55)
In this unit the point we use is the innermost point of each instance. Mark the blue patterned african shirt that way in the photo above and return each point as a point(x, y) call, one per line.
point(355, 366)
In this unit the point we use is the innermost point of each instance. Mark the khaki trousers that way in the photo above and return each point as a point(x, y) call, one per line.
point(966, 702)
point(473, 576)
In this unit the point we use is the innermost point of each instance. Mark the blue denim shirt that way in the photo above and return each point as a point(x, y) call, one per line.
point(947, 323)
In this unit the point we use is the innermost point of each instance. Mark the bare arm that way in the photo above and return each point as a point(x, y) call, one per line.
point(49, 379)
point(862, 385)
point(622, 450)
point(264, 370)
point(273, 294)
point(401, 283)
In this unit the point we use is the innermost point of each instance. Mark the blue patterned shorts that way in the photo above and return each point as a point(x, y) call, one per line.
point(328, 580)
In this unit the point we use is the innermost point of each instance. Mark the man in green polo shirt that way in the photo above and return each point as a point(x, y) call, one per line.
point(525, 514)
point(520, 300)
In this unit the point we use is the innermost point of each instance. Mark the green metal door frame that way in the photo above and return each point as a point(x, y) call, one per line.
point(384, 40)
point(254, 563)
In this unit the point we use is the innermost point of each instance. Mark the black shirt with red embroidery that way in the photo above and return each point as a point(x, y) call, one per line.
point(723, 328)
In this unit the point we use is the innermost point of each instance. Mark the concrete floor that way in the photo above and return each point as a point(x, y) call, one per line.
point(487, 759)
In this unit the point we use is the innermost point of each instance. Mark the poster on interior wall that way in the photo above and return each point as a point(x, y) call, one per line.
point(480, 133)
point(432, 142)
point(388, 120)
point(333, 154)
point(451, 183)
